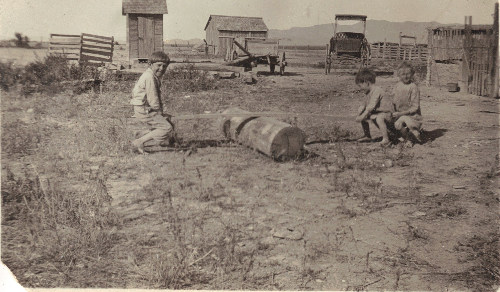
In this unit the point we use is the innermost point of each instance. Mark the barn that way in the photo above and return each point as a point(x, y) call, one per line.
point(144, 26)
point(220, 29)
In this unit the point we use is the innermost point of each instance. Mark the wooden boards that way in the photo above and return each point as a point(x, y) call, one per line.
point(88, 49)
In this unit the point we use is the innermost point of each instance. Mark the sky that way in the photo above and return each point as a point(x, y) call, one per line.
point(187, 18)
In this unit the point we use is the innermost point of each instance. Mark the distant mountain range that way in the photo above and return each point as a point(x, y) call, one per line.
point(376, 31)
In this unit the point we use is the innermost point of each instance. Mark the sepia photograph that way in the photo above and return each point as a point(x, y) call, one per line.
point(249, 145)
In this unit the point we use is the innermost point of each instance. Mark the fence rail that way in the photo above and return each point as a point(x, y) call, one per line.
point(96, 49)
point(65, 45)
point(396, 52)
point(88, 49)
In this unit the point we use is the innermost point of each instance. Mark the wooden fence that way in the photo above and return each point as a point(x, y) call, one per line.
point(96, 49)
point(88, 49)
point(479, 66)
point(67, 45)
point(396, 52)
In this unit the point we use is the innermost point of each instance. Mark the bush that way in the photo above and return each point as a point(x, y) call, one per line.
point(51, 69)
point(187, 78)
point(9, 75)
point(48, 75)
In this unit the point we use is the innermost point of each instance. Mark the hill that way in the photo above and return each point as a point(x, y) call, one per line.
point(376, 30)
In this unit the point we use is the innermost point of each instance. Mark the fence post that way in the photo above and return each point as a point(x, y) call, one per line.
point(494, 72)
point(428, 77)
point(468, 54)
point(81, 48)
point(113, 49)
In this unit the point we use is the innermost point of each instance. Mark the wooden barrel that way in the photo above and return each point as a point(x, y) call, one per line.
point(279, 140)
point(231, 127)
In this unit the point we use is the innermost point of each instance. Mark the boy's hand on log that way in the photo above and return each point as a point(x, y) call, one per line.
point(359, 118)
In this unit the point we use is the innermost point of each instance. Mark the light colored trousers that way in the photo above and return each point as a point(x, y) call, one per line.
point(152, 125)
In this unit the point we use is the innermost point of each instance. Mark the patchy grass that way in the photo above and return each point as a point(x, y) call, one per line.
point(208, 219)
point(65, 232)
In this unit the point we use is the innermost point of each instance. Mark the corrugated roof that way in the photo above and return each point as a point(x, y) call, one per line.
point(237, 23)
point(144, 6)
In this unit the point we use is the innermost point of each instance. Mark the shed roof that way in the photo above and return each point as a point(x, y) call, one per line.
point(144, 6)
point(237, 23)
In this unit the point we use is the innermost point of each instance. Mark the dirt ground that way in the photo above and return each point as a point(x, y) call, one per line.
point(346, 216)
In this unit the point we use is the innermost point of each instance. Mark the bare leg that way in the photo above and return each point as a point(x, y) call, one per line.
point(404, 133)
point(416, 134)
point(366, 131)
point(383, 128)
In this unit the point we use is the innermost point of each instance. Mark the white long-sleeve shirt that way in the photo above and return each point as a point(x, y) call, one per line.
point(147, 91)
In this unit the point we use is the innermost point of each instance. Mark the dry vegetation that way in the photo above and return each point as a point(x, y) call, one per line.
point(79, 209)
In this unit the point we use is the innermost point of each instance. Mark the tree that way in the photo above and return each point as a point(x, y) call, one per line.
point(22, 41)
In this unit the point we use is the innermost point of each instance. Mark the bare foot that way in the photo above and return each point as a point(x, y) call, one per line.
point(408, 144)
point(385, 143)
point(138, 147)
point(364, 139)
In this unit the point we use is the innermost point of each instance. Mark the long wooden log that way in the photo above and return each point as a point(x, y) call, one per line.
point(228, 115)
point(210, 67)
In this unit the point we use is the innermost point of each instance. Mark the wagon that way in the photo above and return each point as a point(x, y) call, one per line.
point(347, 47)
point(257, 51)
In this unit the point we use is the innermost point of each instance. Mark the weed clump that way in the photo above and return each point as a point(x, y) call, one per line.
point(187, 79)
point(64, 231)
point(9, 75)
point(45, 75)
point(20, 138)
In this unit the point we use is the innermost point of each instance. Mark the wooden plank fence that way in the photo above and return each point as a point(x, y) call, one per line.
point(479, 65)
point(67, 45)
point(396, 52)
point(88, 49)
point(96, 49)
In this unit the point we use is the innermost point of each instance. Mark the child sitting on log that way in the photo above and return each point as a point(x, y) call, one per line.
point(406, 100)
point(148, 107)
point(377, 107)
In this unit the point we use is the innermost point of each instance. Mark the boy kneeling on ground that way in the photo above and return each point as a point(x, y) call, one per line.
point(377, 107)
point(148, 107)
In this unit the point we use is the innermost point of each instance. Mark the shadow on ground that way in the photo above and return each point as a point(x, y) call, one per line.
point(429, 136)
point(285, 74)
